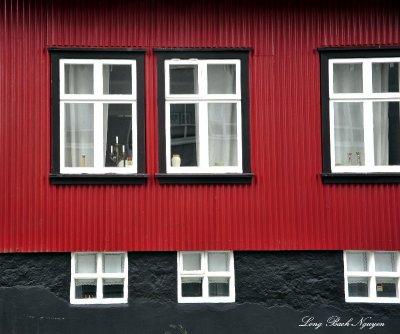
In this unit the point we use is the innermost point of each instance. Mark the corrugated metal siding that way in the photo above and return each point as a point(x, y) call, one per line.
point(286, 207)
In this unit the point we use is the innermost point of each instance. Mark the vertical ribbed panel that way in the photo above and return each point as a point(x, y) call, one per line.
point(286, 207)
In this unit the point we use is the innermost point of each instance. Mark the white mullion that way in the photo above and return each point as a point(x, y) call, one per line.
point(202, 78)
point(368, 134)
point(99, 276)
point(205, 276)
point(372, 271)
point(98, 79)
point(98, 136)
point(367, 77)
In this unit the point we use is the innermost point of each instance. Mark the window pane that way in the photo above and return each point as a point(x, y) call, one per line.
point(347, 78)
point(85, 288)
point(386, 287)
point(349, 133)
point(78, 79)
point(183, 79)
point(358, 286)
point(385, 77)
point(113, 263)
point(113, 288)
point(357, 261)
point(184, 133)
point(386, 133)
point(85, 263)
point(79, 135)
point(117, 79)
point(385, 261)
point(218, 261)
point(221, 79)
point(192, 287)
point(191, 261)
point(218, 286)
point(117, 132)
point(222, 134)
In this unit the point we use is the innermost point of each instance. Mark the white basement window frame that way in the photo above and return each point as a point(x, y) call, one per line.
point(204, 271)
point(98, 100)
point(372, 276)
point(102, 273)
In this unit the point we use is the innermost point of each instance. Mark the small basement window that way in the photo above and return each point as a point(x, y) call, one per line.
point(206, 277)
point(99, 278)
point(372, 277)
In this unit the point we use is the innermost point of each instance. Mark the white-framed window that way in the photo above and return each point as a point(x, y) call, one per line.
point(98, 116)
point(203, 116)
point(99, 278)
point(372, 276)
point(206, 277)
point(364, 114)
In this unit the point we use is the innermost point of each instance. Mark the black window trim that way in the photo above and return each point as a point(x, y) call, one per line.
point(241, 178)
point(92, 53)
point(337, 53)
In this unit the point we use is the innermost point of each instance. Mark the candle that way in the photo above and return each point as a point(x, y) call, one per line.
point(123, 148)
point(111, 149)
point(116, 139)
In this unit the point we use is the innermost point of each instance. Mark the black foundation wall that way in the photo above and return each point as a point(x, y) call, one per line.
point(276, 292)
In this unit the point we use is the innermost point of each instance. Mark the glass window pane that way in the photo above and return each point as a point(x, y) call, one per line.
point(78, 78)
point(349, 133)
point(113, 288)
point(85, 263)
point(385, 77)
point(117, 132)
point(113, 263)
point(184, 134)
point(386, 117)
point(218, 261)
point(222, 134)
point(117, 79)
point(183, 79)
point(358, 286)
point(191, 261)
point(192, 287)
point(347, 78)
point(85, 288)
point(386, 287)
point(357, 261)
point(79, 135)
point(218, 286)
point(221, 79)
point(385, 261)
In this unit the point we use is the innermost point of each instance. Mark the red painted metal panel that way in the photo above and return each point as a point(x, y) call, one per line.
point(286, 207)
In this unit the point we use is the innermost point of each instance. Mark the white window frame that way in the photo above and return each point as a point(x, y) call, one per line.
point(205, 275)
point(202, 99)
point(98, 99)
point(98, 276)
point(367, 97)
point(371, 274)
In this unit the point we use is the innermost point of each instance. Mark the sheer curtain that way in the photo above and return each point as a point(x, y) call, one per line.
point(222, 117)
point(79, 117)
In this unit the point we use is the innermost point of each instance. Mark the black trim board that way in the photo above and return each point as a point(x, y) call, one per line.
point(56, 55)
point(243, 55)
point(245, 178)
point(356, 178)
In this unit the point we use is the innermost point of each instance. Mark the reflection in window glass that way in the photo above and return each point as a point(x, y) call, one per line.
point(349, 134)
point(117, 79)
point(386, 287)
point(218, 286)
point(221, 79)
point(347, 78)
point(191, 261)
point(184, 133)
point(183, 79)
point(386, 116)
point(222, 134)
point(79, 135)
point(358, 286)
point(218, 261)
point(78, 79)
point(357, 261)
point(192, 287)
point(86, 263)
point(385, 261)
point(113, 263)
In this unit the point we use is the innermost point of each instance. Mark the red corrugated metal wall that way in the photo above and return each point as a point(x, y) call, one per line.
point(286, 207)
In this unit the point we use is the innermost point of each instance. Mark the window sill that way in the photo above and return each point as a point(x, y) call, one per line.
point(98, 179)
point(244, 178)
point(360, 178)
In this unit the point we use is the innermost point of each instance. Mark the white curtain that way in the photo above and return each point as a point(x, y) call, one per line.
point(79, 117)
